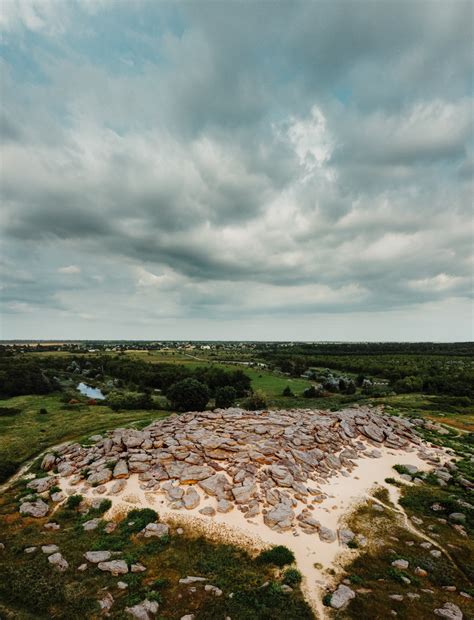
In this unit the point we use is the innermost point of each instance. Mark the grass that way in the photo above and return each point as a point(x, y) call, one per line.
point(30, 588)
point(388, 540)
point(28, 433)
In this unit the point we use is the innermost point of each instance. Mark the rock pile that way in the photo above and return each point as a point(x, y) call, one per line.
point(263, 462)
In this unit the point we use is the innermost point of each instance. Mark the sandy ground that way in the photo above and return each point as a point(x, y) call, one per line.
point(343, 493)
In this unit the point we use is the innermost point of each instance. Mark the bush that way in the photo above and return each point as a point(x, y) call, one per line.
point(138, 518)
point(257, 400)
point(73, 501)
point(278, 555)
point(7, 469)
point(287, 391)
point(225, 396)
point(43, 411)
point(188, 395)
point(292, 577)
point(8, 411)
point(129, 400)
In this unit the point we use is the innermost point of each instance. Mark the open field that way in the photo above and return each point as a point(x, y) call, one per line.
point(26, 434)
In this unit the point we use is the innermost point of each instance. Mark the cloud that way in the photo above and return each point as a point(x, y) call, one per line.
point(70, 269)
point(202, 166)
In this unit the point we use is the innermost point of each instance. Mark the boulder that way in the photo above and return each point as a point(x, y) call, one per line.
point(216, 485)
point(121, 469)
point(100, 477)
point(281, 517)
point(48, 462)
point(243, 494)
point(327, 535)
point(40, 485)
point(402, 564)
point(195, 473)
point(57, 560)
point(191, 498)
point(449, 611)
point(116, 567)
point(49, 549)
point(97, 556)
point(208, 511)
point(146, 610)
point(341, 597)
point(155, 529)
point(92, 524)
point(37, 509)
point(224, 505)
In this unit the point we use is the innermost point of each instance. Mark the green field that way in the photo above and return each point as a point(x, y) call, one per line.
point(28, 433)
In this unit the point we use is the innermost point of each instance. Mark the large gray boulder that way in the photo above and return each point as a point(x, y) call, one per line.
point(341, 597)
point(155, 529)
point(146, 610)
point(116, 567)
point(37, 509)
point(449, 611)
point(97, 556)
point(57, 560)
point(121, 469)
point(191, 498)
point(40, 485)
point(100, 477)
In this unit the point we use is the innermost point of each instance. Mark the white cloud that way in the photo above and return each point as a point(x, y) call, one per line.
point(70, 269)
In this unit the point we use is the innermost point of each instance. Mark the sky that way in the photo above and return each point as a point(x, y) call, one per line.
point(236, 170)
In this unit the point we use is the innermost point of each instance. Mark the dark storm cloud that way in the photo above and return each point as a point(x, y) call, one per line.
point(237, 160)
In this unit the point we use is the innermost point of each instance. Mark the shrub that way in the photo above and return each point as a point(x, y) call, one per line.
point(287, 391)
point(225, 396)
point(279, 555)
point(188, 395)
point(312, 392)
point(8, 411)
point(257, 400)
point(292, 577)
point(73, 501)
point(129, 400)
point(43, 411)
point(138, 518)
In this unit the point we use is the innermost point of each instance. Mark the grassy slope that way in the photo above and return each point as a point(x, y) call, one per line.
point(31, 589)
point(27, 434)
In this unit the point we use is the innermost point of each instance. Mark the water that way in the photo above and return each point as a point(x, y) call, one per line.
point(90, 391)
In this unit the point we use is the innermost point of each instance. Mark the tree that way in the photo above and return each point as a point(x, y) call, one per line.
point(287, 391)
point(188, 395)
point(256, 401)
point(225, 396)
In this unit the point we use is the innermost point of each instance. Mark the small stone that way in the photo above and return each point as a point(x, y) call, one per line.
point(137, 568)
point(82, 567)
point(420, 572)
point(403, 564)
point(30, 549)
point(435, 553)
point(396, 597)
point(191, 579)
point(49, 549)
point(121, 585)
point(106, 602)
